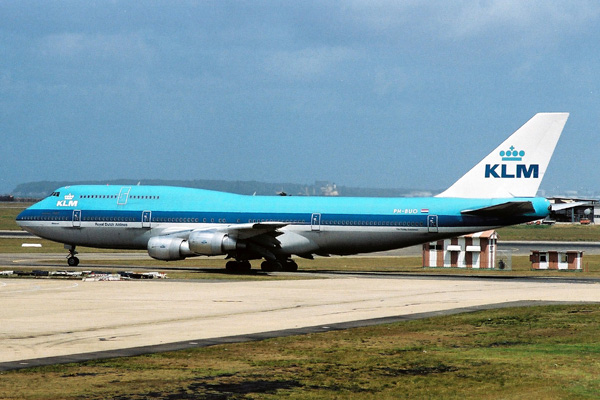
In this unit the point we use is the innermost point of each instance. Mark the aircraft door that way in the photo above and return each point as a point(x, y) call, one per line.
point(146, 219)
point(432, 223)
point(76, 218)
point(315, 222)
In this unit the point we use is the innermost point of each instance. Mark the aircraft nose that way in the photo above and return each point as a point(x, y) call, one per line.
point(20, 218)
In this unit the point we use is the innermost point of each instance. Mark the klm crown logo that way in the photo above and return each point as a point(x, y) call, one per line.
point(512, 154)
point(512, 170)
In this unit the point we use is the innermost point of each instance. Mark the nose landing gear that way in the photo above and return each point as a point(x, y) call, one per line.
point(71, 259)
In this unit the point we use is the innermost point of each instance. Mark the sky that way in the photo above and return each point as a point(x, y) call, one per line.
point(383, 93)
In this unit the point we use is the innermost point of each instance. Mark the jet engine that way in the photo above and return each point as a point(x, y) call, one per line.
point(200, 243)
point(211, 243)
point(168, 248)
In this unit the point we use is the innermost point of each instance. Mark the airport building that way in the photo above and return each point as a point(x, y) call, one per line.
point(564, 260)
point(477, 251)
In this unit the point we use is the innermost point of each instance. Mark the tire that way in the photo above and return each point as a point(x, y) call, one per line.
point(245, 266)
point(291, 266)
point(266, 266)
point(271, 266)
point(73, 261)
point(231, 266)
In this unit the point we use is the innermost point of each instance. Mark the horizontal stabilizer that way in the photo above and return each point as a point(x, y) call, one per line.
point(565, 206)
point(511, 208)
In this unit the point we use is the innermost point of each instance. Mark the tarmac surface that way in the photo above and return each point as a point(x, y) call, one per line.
point(57, 321)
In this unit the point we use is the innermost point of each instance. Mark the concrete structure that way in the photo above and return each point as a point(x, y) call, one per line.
point(566, 260)
point(477, 250)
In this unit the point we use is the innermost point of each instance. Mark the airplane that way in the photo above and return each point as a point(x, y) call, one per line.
point(174, 223)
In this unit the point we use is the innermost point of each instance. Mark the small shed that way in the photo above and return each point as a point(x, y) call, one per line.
point(477, 250)
point(564, 260)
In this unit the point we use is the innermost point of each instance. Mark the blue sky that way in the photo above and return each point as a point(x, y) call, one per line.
point(384, 94)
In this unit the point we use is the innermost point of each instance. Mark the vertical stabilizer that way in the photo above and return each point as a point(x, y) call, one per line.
point(516, 167)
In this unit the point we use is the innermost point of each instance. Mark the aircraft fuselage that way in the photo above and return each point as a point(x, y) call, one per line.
point(105, 217)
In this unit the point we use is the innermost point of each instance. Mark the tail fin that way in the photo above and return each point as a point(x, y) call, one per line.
point(517, 166)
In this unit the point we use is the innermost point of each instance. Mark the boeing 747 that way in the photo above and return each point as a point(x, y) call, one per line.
point(173, 223)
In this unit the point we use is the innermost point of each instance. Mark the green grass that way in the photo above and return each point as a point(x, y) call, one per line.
point(48, 246)
point(539, 352)
point(8, 214)
point(557, 232)
point(521, 266)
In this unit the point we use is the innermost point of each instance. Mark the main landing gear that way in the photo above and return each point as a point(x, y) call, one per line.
point(71, 259)
point(267, 266)
point(279, 265)
point(238, 266)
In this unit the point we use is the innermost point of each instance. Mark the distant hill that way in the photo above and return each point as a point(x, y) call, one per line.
point(321, 188)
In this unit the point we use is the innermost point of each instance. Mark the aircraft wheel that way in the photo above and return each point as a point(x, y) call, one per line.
point(231, 266)
point(270, 266)
point(73, 261)
point(238, 266)
point(266, 266)
point(245, 266)
point(291, 266)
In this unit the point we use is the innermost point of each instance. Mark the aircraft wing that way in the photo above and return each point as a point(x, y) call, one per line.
point(251, 229)
point(510, 208)
point(239, 231)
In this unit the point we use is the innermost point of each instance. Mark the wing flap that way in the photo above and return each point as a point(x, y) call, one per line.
point(510, 208)
point(248, 230)
point(239, 231)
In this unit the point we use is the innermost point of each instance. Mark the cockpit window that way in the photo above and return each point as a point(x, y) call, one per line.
point(55, 194)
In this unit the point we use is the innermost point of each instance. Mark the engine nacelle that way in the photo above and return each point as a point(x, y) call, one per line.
point(293, 243)
point(211, 243)
point(168, 249)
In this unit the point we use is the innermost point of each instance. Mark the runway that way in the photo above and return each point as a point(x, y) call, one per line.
point(52, 321)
